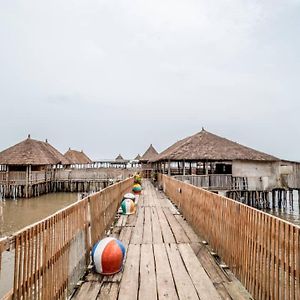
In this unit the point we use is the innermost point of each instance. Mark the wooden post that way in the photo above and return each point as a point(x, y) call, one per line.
point(169, 167)
point(184, 171)
point(273, 198)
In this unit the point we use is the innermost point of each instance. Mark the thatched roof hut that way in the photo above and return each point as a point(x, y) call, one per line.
point(206, 146)
point(138, 157)
point(150, 154)
point(77, 157)
point(119, 158)
point(32, 152)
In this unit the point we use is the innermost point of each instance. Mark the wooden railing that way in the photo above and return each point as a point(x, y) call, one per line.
point(51, 255)
point(263, 251)
point(215, 181)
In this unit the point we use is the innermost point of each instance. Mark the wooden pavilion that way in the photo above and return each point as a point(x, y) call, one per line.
point(77, 158)
point(221, 165)
point(150, 155)
point(26, 168)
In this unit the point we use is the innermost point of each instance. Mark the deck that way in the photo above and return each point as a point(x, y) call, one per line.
point(165, 259)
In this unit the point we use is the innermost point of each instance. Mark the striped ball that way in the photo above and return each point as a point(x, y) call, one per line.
point(129, 196)
point(137, 188)
point(128, 207)
point(108, 256)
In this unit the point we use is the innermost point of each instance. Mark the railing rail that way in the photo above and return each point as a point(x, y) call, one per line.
point(51, 255)
point(263, 251)
point(215, 181)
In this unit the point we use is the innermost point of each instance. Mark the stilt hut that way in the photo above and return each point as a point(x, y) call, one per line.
point(135, 163)
point(221, 165)
point(150, 155)
point(78, 159)
point(120, 162)
point(26, 168)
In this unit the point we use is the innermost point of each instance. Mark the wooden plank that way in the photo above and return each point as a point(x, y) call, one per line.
point(165, 284)
point(165, 228)
point(130, 279)
point(156, 230)
point(137, 234)
point(188, 229)
point(89, 290)
point(131, 220)
point(183, 282)
point(147, 234)
point(200, 279)
point(147, 288)
point(122, 220)
point(178, 231)
point(109, 291)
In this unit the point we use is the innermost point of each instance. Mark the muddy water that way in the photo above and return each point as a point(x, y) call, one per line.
point(290, 213)
point(16, 214)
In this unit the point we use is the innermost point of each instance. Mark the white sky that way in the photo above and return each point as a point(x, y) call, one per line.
point(114, 76)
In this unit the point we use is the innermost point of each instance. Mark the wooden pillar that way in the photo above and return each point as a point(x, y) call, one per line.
point(183, 167)
point(169, 167)
point(291, 199)
point(273, 198)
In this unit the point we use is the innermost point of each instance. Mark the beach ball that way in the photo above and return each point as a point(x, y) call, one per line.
point(128, 207)
point(137, 179)
point(137, 188)
point(129, 196)
point(108, 256)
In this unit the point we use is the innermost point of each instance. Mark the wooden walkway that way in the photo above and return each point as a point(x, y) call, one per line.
point(165, 259)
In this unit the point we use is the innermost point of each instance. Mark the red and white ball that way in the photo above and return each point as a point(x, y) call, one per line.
point(108, 256)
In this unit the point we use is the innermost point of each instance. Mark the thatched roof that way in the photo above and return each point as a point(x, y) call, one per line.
point(32, 152)
point(119, 158)
point(150, 154)
point(77, 157)
point(138, 157)
point(207, 146)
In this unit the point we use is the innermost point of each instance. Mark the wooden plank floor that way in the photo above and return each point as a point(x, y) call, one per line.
point(165, 259)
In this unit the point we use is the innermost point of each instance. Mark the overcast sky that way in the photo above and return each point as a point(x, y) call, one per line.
point(114, 76)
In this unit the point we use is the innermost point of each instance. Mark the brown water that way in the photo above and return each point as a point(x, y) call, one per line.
point(16, 214)
point(290, 213)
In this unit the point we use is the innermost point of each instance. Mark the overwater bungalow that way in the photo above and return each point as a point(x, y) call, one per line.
point(146, 159)
point(221, 165)
point(78, 159)
point(26, 168)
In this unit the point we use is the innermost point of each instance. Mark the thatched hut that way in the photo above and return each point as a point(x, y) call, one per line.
point(138, 157)
point(120, 162)
point(149, 155)
point(77, 158)
point(214, 162)
point(26, 165)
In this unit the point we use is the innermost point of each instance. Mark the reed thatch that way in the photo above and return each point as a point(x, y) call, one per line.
point(32, 152)
point(77, 157)
point(138, 157)
point(119, 158)
point(206, 146)
point(150, 154)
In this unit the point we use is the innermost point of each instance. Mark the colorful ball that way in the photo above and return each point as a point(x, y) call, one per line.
point(129, 196)
point(137, 179)
point(108, 256)
point(137, 188)
point(128, 207)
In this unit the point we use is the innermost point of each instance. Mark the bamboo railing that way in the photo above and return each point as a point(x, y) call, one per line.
point(263, 251)
point(52, 255)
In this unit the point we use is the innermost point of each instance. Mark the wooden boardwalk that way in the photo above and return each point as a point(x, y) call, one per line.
point(165, 259)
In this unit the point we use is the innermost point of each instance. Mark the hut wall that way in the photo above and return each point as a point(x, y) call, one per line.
point(260, 175)
point(290, 174)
